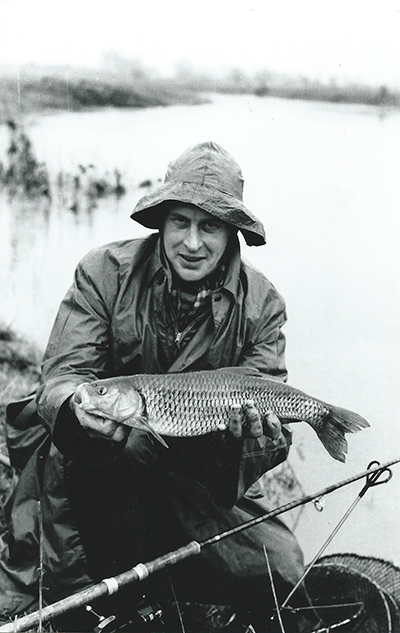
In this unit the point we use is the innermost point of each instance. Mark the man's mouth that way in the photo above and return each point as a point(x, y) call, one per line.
point(190, 259)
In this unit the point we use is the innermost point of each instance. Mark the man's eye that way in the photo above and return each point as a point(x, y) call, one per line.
point(211, 227)
point(179, 222)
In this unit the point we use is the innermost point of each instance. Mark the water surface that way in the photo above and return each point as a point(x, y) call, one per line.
point(324, 180)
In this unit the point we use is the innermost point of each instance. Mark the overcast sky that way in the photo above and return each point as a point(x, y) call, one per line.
point(345, 39)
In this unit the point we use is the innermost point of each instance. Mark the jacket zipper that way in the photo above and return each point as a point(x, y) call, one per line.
point(178, 338)
point(180, 335)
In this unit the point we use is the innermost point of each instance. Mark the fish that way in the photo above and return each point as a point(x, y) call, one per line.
point(198, 402)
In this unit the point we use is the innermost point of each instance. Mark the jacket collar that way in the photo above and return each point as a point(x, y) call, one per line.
point(157, 271)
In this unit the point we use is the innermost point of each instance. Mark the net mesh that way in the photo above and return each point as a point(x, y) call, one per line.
point(347, 600)
point(382, 572)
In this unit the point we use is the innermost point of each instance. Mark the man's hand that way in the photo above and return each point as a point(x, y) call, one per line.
point(245, 421)
point(272, 425)
point(96, 426)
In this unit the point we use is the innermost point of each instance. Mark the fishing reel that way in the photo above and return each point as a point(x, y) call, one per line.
point(105, 624)
point(151, 613)
point(147, 617)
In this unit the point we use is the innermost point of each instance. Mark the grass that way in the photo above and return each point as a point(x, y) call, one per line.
point(26, 94)
point(60, 89)
point(379, 96)
point(19, 374)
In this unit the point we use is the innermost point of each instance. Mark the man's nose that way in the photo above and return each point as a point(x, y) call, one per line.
point(193, 238)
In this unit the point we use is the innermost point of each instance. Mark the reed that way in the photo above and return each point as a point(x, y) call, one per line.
point(23, 173)
point(24, 176)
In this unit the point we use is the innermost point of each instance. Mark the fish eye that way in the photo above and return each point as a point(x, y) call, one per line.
point(101, 390)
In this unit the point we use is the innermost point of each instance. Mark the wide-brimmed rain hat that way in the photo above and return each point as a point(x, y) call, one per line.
point(207, 176)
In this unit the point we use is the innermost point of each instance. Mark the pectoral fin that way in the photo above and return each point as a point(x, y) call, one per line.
point(142, 423)
point(157, 436)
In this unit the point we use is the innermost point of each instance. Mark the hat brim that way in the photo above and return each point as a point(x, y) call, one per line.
point(149, 211)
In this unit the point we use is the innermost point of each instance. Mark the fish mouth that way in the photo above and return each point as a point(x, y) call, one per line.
point(81, 396)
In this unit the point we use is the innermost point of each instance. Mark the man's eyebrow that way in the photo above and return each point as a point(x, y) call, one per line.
point(181, 216)
point(177, 214)
point(212, 220)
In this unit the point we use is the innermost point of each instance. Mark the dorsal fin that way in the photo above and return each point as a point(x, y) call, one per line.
point(245, 371)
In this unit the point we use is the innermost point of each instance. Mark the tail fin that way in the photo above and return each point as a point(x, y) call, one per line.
point(336, 424)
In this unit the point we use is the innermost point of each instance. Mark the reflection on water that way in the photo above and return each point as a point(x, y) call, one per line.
point(324, 179)
point(41, 242)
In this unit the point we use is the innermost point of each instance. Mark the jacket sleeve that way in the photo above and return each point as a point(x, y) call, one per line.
point(78, 348)
point(238, 464)
point(265, 349)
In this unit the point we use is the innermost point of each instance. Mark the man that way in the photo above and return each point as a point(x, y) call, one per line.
point(179, 300)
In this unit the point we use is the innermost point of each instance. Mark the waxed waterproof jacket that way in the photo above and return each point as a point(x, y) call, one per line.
point(112, 322)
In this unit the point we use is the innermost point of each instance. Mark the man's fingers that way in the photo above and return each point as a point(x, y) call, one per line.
point(121, 432)
point(253, 419)
point(246, 421)
point(100, 425)
point(235, 420)
point(97, 426)
point(272, 425)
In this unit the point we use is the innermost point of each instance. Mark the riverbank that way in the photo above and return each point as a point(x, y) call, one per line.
point(26, 92)
point(19, 373)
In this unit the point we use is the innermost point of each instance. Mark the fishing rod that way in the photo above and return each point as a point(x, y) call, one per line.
point(374, 478)
point(109, 586)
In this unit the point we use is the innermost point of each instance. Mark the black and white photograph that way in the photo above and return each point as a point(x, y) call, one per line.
point(199, 316)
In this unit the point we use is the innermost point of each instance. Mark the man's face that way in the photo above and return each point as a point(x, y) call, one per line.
point(194, 241)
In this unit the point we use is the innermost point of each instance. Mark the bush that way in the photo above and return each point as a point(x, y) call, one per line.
point(23, 173)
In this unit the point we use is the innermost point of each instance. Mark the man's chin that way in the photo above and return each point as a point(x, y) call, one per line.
point(190, 275)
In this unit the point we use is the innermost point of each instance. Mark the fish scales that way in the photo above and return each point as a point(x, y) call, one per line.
point(196, 403)
point(199, 403)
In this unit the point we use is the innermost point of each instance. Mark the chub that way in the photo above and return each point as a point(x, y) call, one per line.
point(196, 403)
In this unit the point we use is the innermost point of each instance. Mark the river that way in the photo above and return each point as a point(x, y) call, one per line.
point(324, 179)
